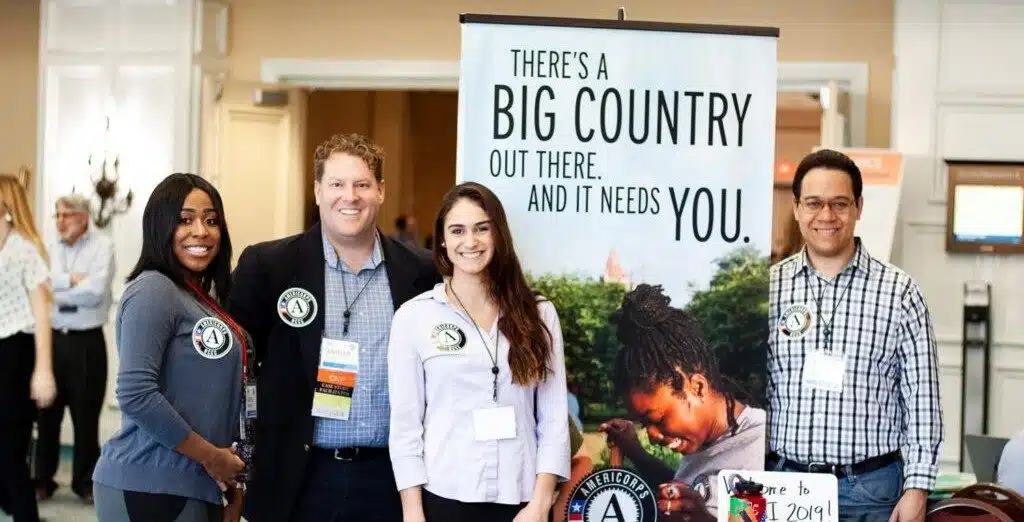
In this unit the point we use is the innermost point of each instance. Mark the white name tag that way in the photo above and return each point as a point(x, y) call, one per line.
point(494, 423)
point(335, 379)
point(824, 371)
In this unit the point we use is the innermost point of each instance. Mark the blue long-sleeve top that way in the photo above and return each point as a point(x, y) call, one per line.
point(180, 371)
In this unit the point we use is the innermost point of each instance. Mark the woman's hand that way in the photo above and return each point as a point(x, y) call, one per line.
point(43, 388)
point(533, 512)
point(677, 502)
point(222, 464)
point(622, 433)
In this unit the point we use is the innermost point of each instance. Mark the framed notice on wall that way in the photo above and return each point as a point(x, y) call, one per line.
point(985, 207)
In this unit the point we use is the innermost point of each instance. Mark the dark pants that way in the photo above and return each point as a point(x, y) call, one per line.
point(115, 505)
point(440, 509)
point(359, 490)
point(867, 497)
point(80, 369)
point(17, 412)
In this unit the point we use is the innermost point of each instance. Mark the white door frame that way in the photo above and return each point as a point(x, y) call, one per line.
point(809, 77)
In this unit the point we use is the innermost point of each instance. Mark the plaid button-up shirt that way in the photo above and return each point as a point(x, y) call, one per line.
point(879, 324)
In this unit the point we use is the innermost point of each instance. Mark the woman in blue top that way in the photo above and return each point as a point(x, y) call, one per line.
point(182, 369)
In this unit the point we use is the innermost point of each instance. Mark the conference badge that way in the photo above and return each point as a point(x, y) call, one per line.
point(612, 494)
point(212, 338)
point(796, 321)
point(447, 337)
point(296, 307)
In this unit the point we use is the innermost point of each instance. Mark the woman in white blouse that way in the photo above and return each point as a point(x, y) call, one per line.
point(26, 374)
point(476, 379)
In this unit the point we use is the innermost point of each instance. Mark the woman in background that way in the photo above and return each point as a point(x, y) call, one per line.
point(479, 415)
point(26, 371)
point(183, 364)
point(670, 378)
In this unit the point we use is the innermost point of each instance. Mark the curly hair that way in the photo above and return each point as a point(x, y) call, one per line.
point(353, 144)
point(663, 345)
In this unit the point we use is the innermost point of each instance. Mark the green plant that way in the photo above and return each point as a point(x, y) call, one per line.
point(584, 309)
point(733, 313)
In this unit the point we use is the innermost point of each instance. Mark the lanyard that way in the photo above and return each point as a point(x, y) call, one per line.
point(828, 325)
point(487, 347)
point(237, 330)
point(348, 306)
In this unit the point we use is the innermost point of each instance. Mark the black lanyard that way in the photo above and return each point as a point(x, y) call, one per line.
point(348, 306)
point(493, 356)
point(821, 290)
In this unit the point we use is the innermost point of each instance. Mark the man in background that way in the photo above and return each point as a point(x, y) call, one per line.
point(406, 230)
point(82, 268)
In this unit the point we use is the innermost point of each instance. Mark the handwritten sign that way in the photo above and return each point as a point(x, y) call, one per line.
point(791, 497)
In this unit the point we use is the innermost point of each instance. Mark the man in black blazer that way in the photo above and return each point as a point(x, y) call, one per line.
point(299, 297)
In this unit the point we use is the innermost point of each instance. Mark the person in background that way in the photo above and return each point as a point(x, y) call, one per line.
point(82, 270)
point(406, 230)
point(26, 370)
point(1010, 472)
point(853, 374)
point(183, 366)
point(479, 427)
point(317, 302)
point(574, 403)
point(669, 375)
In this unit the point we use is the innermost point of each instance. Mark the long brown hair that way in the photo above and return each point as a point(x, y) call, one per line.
point(12, 196)
point(529, 338)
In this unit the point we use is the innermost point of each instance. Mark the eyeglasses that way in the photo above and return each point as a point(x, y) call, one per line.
point(66, 215)
point(839, 206)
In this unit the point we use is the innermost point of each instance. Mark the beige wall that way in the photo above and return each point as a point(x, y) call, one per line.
point(19, 61)
point(811, 30)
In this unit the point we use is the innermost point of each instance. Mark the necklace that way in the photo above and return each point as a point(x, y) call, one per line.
point(487, 347)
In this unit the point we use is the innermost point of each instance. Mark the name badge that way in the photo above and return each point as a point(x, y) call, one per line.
point(824, 371)
point(335, 379)
point(250, 401)
point(496, 423)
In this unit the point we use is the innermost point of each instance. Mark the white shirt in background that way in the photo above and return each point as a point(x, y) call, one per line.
point(22, 269)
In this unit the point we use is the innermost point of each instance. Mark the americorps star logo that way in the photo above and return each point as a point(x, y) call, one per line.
point(612, 495)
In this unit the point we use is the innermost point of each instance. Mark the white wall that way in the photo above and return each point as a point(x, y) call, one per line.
point(959, 93)
point(131, 60)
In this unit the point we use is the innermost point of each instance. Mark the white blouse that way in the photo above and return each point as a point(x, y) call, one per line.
point(22, 269)
point(439, 374)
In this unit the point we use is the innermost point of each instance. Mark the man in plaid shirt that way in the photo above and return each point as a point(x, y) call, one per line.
point(854, 385)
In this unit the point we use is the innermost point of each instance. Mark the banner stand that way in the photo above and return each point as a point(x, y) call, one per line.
point(634, 163)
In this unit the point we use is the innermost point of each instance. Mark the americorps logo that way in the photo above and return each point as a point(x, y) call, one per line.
point(612, 495)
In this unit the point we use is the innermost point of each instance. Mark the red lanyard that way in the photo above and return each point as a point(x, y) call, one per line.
point(208, 301)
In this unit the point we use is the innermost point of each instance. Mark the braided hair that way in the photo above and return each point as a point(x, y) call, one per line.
point(664, 345)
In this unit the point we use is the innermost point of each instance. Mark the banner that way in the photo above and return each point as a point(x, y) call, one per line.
point(635, 163)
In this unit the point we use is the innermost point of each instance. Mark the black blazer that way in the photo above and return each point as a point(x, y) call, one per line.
point(287, 357)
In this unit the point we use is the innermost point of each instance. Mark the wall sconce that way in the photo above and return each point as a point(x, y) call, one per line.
point(105, 187)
